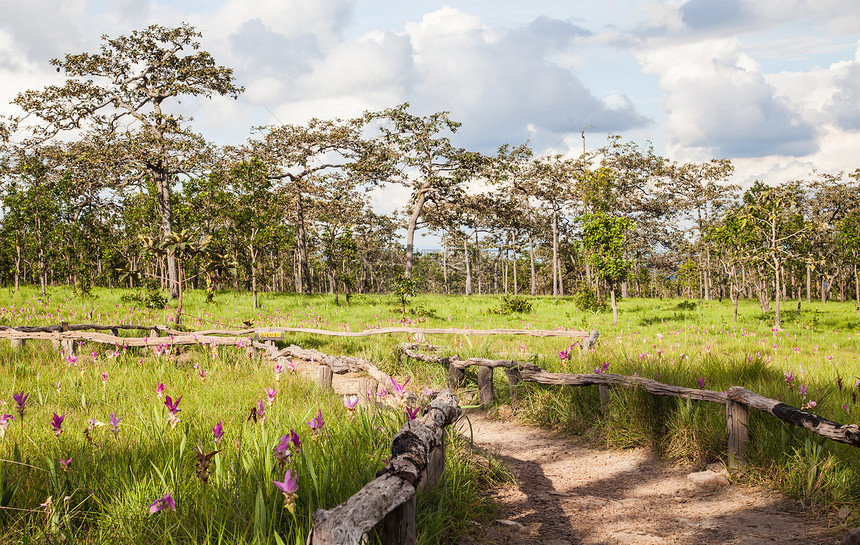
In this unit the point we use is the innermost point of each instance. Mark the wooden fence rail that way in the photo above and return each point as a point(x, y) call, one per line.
point(736, 399)
point(388, 503)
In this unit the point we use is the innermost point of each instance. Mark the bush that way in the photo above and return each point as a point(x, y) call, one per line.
point(586, 299)
point(511, 304)
point(151, 298)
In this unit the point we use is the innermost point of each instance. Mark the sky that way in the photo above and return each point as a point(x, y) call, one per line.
point(773, 85)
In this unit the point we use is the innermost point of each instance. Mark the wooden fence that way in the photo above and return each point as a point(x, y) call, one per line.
point(737, 400)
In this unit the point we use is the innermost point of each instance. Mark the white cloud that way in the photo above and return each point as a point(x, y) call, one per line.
point(719, 102)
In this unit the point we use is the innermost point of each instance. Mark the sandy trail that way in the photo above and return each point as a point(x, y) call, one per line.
point(569, 494)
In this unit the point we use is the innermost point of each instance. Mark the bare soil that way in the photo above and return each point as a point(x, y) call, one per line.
point(570, 494)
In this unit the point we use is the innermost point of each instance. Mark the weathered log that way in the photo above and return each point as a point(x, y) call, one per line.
point(647, 384)
point(17, 344)
point(842, 433)
point(349, 521)
point(73, 327)
point(486, 396)
point(409, 330)
point(737, 432)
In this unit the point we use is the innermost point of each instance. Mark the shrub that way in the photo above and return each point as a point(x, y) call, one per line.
point(511, 304)
point(586, 299)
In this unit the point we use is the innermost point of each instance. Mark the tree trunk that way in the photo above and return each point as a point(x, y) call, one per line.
point(555, 263)
point(445, 267)
point(532, 259)
point(734, 293)
point(515, 274)
point(468, 266)
point(165, 213)
point(411, 226)
point(808, 283)
point(301, 243)
point(777, 295)
point(614, 306)
point(478, 274)
point(857, 289)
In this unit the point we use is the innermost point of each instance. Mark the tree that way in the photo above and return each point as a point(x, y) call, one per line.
point(441, 168)
point(603, 238)
point(772, 213)
point(303, 157)
point(131, 79)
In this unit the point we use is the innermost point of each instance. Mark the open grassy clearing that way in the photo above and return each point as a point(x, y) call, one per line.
point(812, 360)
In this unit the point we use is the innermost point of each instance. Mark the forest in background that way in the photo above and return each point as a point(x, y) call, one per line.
point(104, 183)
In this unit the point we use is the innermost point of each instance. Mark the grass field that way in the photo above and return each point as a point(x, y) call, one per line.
point(113, 478)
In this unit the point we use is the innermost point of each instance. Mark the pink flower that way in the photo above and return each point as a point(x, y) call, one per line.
point(317, 423)
point(159, 390)
point(412, 413)
point(162, 503)
point(57, 424)
point(350, 402)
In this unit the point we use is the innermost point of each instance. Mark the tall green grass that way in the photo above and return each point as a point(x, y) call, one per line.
point(674, 341)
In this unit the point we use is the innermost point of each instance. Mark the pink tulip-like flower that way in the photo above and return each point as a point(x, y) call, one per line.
point(294, 439)
point(261, 411)
point(802, 390)
point(21, 400)
point(412, 413)
point(289, 486)
point(57, 424)
point(270, 396)
point(701, 383)
point(5, 420)
point(58, 387)
point(162, 503)
point(350, 402)
point(282, 450)
point(159, 390)
point(114, 424)
point(563, 354)
point(400, 389)
point(278, 370)
point(317, 423)
point(104, 377)
point(173, 411)
point(218, 433)
point(66, 464)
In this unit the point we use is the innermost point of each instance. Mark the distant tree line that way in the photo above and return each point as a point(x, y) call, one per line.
point(103, 183)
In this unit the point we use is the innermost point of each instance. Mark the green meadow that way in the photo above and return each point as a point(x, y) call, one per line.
point(119, 472)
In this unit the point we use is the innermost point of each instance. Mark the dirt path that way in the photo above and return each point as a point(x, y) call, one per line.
point(566, 494)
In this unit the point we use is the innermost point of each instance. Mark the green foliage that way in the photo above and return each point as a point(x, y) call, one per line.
point(404, 288)
point(512, 304)
point(586, 300)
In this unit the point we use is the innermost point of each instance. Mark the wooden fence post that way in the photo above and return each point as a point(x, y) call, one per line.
point(325, 377)
point(737, 432)
point(17, 344)
point(514, 379)
point(367, 391)
point(70, 347)
point(485, 385)
point(456, 376)
point(153, 334)
point(435, 467)
point(399, 527)
point(604, 399)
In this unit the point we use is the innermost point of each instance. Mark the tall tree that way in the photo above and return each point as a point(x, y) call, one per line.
point(133, 78)
point(425, 149)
